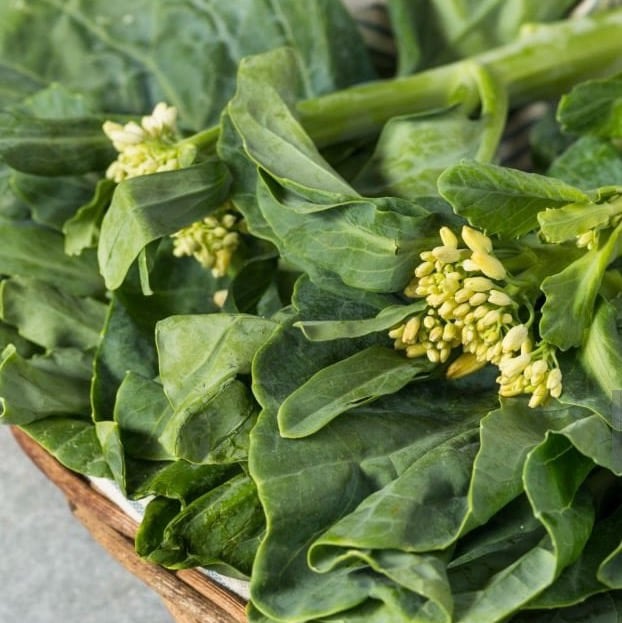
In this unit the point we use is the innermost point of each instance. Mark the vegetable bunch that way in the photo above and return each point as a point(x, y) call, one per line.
point(352, 355)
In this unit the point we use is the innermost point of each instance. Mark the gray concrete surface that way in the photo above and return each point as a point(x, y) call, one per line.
point(51, 570)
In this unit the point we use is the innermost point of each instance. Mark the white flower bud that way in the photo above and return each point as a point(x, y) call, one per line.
point(514, 338)
point(478, 284)
point(554, 379)
point(476, 240)
point(478, 299)
point(489, 265)
point(496, 297)
point(446, 255)
point(513, 366)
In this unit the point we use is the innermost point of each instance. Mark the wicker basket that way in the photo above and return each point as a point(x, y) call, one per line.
point(189, 595)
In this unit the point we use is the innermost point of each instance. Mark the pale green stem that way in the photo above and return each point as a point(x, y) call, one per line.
point(545, 62)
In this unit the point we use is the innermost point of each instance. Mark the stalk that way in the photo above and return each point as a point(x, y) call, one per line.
point(543, 63)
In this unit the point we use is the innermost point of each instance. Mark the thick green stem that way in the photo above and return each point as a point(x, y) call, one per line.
point(544, 63)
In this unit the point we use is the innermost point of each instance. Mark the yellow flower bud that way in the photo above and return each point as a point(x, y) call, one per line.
point(489, 265)
point(476, 240)
point(448, 237)
point(496, 297)
point(464, 365)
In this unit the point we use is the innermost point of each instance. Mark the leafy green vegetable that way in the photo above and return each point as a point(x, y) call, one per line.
point(288, 413)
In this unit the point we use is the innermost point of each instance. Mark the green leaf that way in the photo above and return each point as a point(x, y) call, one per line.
point(32, 251)
point(54, 146)
point(268, 86)
point(571, 295)
point(588, 163)
point(322, 330)
point(430, 33)
point(218, 530)
point(146, 208)
point(562, 224)
point(142, 412)
point(52, 200)
point(43, 386)
point(72, 442)
point(51, 318)
point(127, 58)
point(593, 107)
point(344, 385)
point(601, 354)
point(501, 200)
point(371, 244)
point(191, 375)
point(127, 343)
point(82, 229)
point(216, 432)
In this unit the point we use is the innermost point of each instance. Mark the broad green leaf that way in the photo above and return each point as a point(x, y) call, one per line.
point(146, 208)
point(72, 442)
point(601, 354)
point(218, 530)
point(43, 386)
point(371, 244)
point(553, 474)
point(142, 412)
point(82, 229)
point(593, 107)
point(268, 86)
point(588, 163)
point(217, 432)
point(199, 353)
point(51, 318)
point(127, 344)
point(54, 146)
point(413, 151)
point(344, 385)
point(183, 481)
point(579, 580)
point(32, 251)
point(52, 200)
point(126, 58)
point(507, 436)
point(109, 437)
point(501, 200)
point(322, 330)
point(571, 295)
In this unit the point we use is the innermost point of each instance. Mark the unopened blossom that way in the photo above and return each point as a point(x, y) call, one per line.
point(212, 241)
point(469, 306)
point(151, 147)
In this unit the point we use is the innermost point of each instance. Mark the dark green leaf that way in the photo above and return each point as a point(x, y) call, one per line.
point(82, 229)
point(146, 208)
point(571, 295)
point(344, 385)
point(33, 389)
point(54, 146)
point(51, 318)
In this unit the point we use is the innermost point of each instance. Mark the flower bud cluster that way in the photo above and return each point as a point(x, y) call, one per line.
point(468, 305)
point(211, 241)
point(150, 147)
